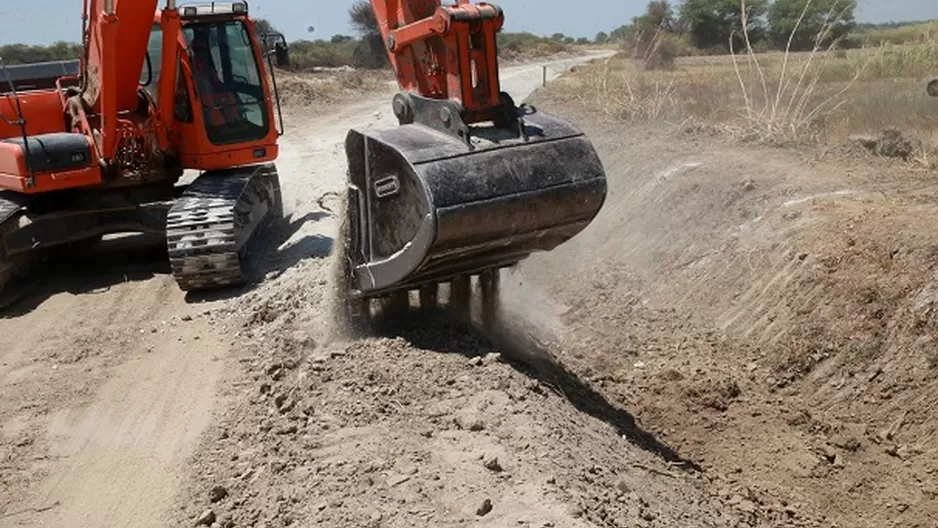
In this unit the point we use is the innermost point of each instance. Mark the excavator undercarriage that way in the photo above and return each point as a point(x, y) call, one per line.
point(214, 227)
point(211, 230)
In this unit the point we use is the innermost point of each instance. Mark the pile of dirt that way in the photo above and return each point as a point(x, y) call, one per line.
point(303, 90)
point(424, 424)
point(768, 314)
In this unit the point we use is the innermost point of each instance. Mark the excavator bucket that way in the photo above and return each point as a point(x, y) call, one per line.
point(425, 206)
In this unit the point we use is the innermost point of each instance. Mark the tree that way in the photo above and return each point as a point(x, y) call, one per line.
point(371, 52)
point(558, 37)
point(658, 19)
point(602, 37)
point(711, 23)
point(23, 54)
point(657, 15)
point(824, 22)
point(341, 39)
point(621, 33)
point(582, 41)
point(262, 26)
point(362, 17)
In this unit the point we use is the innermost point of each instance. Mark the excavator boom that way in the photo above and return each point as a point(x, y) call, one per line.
point(469, 182)
point(444, 52)
point(116, 38)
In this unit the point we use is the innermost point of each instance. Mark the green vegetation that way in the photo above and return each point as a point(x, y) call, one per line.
point(826, 80)
point(516, 45)
point(22, 54)
point(714, 27)
point(714, 24)
point(805, 23)
point(896, 34)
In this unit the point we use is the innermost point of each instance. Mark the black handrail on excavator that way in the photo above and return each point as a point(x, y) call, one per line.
point(20, 122)
point(280, 51)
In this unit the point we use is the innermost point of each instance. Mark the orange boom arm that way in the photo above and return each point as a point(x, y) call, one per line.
point(445, 52)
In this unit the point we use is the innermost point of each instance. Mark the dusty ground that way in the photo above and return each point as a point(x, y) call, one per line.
point(768, 313)
point(744, 338)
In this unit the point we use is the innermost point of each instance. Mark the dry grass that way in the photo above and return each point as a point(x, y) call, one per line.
point(910, 34)
point(306, 90)
point(781, 98)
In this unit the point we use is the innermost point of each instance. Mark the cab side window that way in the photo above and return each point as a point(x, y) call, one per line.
point(150, 76)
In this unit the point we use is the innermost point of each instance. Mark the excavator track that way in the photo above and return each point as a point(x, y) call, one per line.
point(212, 231)
point(10, 210)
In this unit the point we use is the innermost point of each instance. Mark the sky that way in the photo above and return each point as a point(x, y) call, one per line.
point(45, 21)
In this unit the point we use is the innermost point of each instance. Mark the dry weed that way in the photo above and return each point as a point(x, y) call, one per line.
point(789, 109)
point(628, 97)
point(821, 96)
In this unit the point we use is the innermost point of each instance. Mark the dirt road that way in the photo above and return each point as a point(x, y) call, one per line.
point(110, 376)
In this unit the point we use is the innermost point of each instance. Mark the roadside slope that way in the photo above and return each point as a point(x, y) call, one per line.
point(768, 313)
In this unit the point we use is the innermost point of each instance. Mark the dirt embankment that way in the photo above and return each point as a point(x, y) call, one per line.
point(768, 313)
point(423, 425)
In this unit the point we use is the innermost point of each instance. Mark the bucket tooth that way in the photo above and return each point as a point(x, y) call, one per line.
point(429, 297)
point(488, 286)
point(460, 296)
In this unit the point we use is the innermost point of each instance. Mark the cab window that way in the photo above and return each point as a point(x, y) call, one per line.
point(227, 81)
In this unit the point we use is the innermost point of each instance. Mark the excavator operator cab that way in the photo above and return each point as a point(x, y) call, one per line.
point(228, 83)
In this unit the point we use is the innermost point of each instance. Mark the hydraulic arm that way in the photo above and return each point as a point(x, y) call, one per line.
point(116, 37)
point(445, 52)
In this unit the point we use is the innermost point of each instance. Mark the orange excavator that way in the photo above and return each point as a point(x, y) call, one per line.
point(101, 145)
point(469, 182)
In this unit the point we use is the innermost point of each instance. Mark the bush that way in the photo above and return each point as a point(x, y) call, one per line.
point(23, 54)
point(528, 44)
point(904, 34)
point(662, 53)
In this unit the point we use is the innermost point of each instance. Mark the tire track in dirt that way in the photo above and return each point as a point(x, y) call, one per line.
point(111, 386)
point(123, 452)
